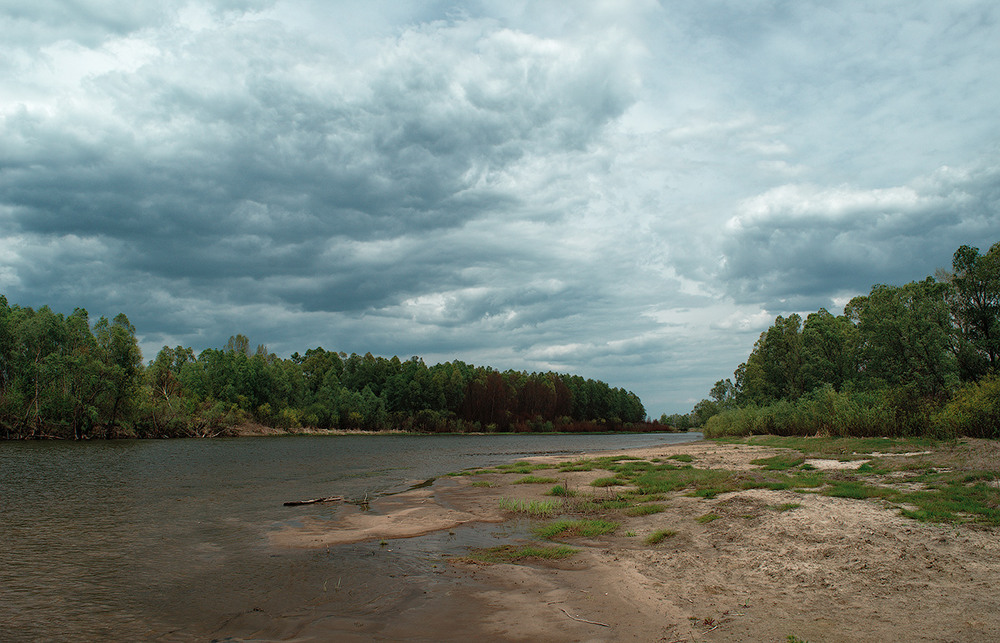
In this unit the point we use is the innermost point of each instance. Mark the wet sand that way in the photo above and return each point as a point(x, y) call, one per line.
point(830, 570)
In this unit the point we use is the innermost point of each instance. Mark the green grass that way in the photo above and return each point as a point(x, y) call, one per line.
point(785, 506)
point(857, 490)
point(482, 483)
point(535, 480)
point(644, 510)
point(659, 536)
point(707, 518)
point(521, 467)
point(682, 457)
point(575, 528)
point(779, 462)
point(534, 508)
point(560, 491)
point(606, 482)
point(577, 466)
point(832, 447)
point(955, 502)
point(518, 553)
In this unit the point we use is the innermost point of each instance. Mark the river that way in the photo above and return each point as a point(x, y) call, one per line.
point(167, 539)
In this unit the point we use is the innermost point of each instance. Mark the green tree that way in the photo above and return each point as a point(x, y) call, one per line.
point(905, 337)
point(122, 362)
point(975, 304)
point(828, 351)
point(774, 369)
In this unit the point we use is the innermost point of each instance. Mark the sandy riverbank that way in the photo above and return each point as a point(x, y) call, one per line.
point(830, 569)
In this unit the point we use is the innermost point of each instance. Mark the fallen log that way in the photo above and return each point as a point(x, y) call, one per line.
point(293, 503)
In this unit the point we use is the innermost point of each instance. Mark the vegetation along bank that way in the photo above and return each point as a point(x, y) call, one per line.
point(918, 359)
point(62, 377)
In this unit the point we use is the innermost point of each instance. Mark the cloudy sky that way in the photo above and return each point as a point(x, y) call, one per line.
point(629, 191)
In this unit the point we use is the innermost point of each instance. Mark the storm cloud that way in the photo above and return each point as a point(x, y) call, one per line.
point(630, 191)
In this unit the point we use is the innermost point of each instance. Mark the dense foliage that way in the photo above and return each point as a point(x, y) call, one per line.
point(62, 377)
point(923, 358)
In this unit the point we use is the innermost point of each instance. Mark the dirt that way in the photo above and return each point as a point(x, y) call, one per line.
point(771, 565)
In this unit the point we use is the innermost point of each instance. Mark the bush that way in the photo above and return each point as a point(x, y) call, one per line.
point(974, 411)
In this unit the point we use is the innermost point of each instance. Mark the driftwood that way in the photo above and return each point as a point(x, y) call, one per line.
point(293, 503)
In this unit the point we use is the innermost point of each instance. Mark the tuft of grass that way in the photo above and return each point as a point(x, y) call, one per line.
point(659, 536)
point(785, 506)
point(575, 528)
point(482, 483)
point(707, 518)
point(518, 553)
point(682, 457)
point(533, 508)
point(606, 482)
point(561, 491)
point(535, 480)
point(644, 510)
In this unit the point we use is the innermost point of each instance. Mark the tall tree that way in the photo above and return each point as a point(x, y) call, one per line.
point(122, 366)
point(975, 304)
point(905, 336)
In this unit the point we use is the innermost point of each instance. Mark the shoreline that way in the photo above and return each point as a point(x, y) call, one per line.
point(736, 566)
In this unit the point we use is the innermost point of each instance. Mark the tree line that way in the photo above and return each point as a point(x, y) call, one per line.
point(61, 376)
point(917, 359)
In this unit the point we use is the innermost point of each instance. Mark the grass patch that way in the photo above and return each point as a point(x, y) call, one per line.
point(518, 553)
point(575, 528)
point(833, 447)
point(779, 462)
point(482, 483)
point(579, 465)
point(606, 482)
point(956, 502)
point(682, 457)
point(659, 536)
point(560, 491)
point(535, 480)
point(521, 467)
point(857, 490)
point(644, 510)
point(707, 518)
point(785, 506)
point(533, 508)
point(664, 479)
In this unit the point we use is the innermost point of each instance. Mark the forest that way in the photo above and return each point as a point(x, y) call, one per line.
point(922, 359)
point(64, 377)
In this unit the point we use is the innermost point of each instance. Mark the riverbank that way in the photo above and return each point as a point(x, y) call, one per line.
point(756, 542)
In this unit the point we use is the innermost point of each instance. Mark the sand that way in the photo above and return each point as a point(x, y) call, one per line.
point(830, 569)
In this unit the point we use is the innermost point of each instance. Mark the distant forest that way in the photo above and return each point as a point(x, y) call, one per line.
point(919, 359)
point(62, 377)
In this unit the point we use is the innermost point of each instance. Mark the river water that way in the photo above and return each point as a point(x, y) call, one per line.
point(167, 539)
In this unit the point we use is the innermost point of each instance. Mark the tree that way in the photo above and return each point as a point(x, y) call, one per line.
point(122, 362)
point(774, 369)
point(828, 351)
point(905, 337)
point(975, 305)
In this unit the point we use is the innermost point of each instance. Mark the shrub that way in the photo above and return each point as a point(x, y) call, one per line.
point(974, 411)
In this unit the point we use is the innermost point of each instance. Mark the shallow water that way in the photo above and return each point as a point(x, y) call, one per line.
point(166, 540)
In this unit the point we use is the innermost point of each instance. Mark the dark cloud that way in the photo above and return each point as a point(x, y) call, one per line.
point(630, 191)
point(797, 246)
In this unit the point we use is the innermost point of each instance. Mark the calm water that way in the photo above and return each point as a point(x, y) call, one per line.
point(166, 540)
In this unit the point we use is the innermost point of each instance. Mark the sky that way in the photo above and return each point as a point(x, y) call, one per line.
point(630, 191)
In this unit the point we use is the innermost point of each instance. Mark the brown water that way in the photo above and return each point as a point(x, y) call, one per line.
point(166, 540)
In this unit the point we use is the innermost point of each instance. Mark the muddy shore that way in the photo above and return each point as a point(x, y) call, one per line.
point(767, 565)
